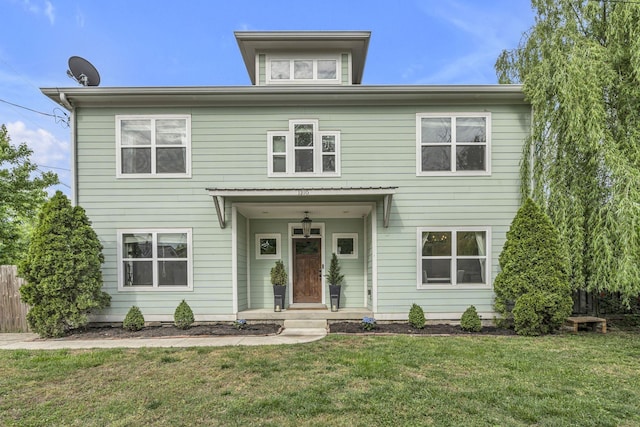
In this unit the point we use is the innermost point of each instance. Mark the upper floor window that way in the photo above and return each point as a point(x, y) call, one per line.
point(153, 146)
point(453, 143)
point(304, 69)
point(303, 150)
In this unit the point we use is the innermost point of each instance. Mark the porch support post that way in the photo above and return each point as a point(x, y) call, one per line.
point(386, 210)
point(219, 202)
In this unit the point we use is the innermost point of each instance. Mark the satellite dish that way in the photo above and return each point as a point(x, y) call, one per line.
point(83, 71)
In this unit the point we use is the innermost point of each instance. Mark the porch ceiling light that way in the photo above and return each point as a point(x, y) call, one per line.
point(306, 225)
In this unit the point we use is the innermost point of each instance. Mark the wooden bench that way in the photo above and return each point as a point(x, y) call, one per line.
point(594, 322)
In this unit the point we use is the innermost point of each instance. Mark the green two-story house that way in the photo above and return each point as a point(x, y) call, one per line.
point(195, 192)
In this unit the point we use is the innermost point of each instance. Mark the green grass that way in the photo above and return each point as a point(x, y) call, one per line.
point(566, 380)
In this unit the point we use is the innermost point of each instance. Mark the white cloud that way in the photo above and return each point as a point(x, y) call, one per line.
point(487, 30)
point(80, 19)
point(48, 150)
point(46, 9)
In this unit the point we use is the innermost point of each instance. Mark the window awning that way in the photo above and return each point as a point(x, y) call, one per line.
point(301, 194)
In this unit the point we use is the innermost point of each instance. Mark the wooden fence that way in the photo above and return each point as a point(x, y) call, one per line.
point(13, 312)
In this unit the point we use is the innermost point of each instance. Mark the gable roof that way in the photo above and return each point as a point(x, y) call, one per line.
point(356, 42)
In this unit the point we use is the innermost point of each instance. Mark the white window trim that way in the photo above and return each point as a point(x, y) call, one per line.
point(155, 287)
point(278, 253)
point(304, 57)
point(153, 174)
point(454, 284)
point(453, 172)
point(290, 157)
point(353, 236)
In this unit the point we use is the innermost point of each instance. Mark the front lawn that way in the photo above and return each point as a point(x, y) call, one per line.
point(582, 380)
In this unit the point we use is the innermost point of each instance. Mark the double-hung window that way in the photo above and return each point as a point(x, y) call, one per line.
point(453, 144)
point(304, 150)
point(153, 146)
point(454, 256)
point(155, 259)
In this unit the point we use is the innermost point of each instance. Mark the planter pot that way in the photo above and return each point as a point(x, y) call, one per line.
point(334, 291)
point(279, 295)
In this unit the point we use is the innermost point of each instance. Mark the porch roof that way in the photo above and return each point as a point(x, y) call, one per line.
point(301, 194)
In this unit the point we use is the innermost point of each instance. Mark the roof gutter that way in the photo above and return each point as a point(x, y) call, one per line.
point(65, 103)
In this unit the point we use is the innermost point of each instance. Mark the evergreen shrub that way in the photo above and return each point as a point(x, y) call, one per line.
point(279, 274)
point(538, 313)
point(470, 321)
point(183, 316)
point(134, 320)
point(62, 270)
point(416, 316)
point(334, 276)
point(534, 267)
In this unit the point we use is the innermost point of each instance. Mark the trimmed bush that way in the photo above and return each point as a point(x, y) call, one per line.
point(183, 316)
point(134, 321)
point(470, 321)
point(416, 316)
point(279, 274)
point(539, 313)
point(62, 270)
point(533, 264)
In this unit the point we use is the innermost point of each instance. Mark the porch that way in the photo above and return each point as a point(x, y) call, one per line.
point(305, 314)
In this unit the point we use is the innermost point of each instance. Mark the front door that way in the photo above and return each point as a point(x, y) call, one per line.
point(307, 270)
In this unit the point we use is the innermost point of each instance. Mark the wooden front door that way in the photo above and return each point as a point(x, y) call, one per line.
point(307, 270)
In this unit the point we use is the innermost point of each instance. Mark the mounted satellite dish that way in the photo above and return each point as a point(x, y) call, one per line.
point(83, 72)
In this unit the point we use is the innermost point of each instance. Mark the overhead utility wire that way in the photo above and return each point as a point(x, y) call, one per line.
point(30, 109)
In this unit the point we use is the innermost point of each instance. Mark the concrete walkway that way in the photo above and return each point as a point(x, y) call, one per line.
point(32, 342)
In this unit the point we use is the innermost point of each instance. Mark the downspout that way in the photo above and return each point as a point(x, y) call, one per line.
point(74, 155)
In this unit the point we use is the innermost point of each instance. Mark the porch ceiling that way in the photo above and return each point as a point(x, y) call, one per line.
point(297, 210)
point(326, 202)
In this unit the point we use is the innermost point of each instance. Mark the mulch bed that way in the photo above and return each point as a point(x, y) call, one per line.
point(262, 329)
point(401, 328)
point(215, 329)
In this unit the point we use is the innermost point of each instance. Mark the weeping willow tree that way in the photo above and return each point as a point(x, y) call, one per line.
point(580, 68)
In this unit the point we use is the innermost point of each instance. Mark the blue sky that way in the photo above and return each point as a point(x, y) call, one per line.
point(191, 43)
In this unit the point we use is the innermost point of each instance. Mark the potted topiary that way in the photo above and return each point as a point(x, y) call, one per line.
point(279, 282)
point(335, 280)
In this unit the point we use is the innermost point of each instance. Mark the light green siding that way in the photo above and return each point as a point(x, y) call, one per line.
point(261, 287)
point(353, 269)
point(346, 64)
point(229, 150)
point(262, 69)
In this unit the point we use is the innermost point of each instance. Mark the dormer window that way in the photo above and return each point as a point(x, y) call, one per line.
point(285, 69)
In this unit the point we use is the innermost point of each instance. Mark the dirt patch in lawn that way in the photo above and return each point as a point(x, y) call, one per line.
point(406, 329)
point(214, 329)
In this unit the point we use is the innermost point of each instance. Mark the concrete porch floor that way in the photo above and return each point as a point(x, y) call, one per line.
point(305, 314)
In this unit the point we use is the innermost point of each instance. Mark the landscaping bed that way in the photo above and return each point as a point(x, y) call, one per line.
point(214, 329)
point(404, 328)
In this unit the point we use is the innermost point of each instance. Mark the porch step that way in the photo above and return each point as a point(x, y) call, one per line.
point(296, 327)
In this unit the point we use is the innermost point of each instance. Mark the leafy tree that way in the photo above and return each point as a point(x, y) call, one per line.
point(580, 68)
point(532, 288)
point(62, 269)
point(21, 194)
